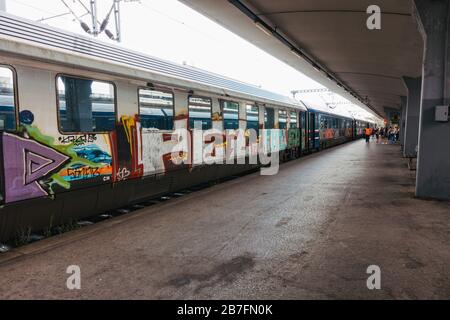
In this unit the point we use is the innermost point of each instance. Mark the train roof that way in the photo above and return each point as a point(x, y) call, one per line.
point(365, 118)
point(340, 110)
point(321, 107)
point(27, 38)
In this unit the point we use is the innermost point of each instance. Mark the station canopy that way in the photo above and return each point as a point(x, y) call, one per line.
point(329, 42)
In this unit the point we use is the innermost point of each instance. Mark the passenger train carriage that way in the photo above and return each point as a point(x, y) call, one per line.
point(332, 126)
point(87, 126)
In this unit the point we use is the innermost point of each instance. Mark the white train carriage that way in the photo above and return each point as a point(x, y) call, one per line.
point(88, 126)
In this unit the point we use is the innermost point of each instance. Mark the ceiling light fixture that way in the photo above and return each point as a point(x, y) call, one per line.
point(263, 28)
point(296, 53)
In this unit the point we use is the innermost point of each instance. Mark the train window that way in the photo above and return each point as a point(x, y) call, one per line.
point(327, 123)
point(303, 120)
point(200, 111)
point(293, 121)
point(85, 105)
point(230, 111)
point(7, 100)
point(156, 109)
point(252, 117)
point(269, 118)
point(335, 123)
point(282, 119)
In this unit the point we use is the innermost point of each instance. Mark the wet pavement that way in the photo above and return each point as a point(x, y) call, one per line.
point(309, 232)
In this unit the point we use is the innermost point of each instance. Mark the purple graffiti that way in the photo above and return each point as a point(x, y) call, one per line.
point(26, 161)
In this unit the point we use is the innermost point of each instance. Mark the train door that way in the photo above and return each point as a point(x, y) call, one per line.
point(294, 137)
point(269, 124)
point(310, 131)
point(303, 136)
point(313, 130)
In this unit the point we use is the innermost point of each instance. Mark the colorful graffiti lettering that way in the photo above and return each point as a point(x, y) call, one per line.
point(34, 164)
point(26, 161)
point(122, 174)
point(83, 173)
point(127, 148)
point(217, 116)
point(328, 134)
point(93, 153)
point(293, 138)
point(78, 140)
point(176, 157)
point(100, 164)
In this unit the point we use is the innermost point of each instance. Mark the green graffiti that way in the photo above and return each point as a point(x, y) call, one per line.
point(56, 179)
point(293, 138)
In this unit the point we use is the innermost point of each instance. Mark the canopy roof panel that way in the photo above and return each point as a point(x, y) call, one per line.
point(371, 63)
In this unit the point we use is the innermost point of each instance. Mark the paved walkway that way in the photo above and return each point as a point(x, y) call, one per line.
point(309, 232)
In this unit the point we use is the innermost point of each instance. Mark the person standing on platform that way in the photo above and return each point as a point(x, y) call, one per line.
point(391, 135)
point(367, 133)
point(387, 133)
point(377, 134)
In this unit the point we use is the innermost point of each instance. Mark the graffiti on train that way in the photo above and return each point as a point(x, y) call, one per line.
point(126, 144)
point(38, 165)
point(122, 174)
point(78, 140)
point(83, 173)
point(27, 163)
point(95, 163)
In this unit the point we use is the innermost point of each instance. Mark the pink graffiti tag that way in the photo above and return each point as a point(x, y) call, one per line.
point(26, 161)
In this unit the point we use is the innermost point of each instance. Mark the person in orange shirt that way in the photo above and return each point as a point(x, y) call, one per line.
point(367, 133)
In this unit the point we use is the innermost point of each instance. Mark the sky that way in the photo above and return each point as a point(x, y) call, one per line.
point(170, 30)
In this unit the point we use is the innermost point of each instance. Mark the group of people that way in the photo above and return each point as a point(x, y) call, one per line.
point(392, 134)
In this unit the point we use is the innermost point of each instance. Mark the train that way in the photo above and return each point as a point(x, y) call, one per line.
point(87, 127)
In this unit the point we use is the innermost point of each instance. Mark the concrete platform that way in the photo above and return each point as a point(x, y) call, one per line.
point(309, 232)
